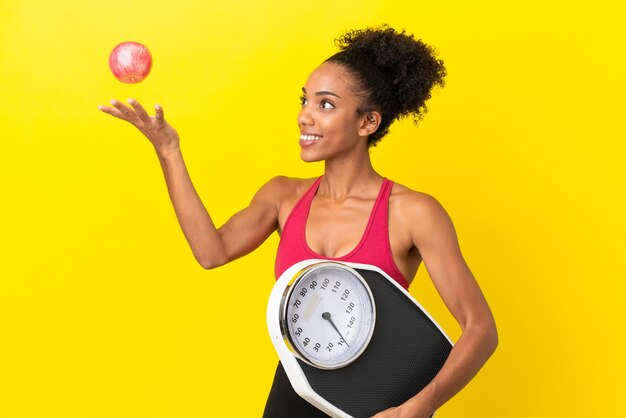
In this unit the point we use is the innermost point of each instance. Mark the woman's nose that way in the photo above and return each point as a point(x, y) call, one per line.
point(304, 117)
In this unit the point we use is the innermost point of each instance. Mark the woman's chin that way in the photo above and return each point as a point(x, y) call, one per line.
point(309, 157)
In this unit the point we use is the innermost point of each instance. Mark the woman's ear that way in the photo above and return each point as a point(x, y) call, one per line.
point(369, 123)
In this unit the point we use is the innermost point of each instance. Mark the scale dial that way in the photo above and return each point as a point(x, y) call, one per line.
point(328, 315)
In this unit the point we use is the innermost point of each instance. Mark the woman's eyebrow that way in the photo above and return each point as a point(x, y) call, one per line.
point(323, 93)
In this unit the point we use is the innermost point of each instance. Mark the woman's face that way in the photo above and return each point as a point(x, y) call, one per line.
point(330, 127)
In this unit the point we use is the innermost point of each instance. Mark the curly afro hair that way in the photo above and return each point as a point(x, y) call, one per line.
point(395, 73)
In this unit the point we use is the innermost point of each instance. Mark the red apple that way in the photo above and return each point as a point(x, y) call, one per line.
point(130, 62)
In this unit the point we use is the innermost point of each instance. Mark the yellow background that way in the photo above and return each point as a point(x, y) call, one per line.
point(103, 310)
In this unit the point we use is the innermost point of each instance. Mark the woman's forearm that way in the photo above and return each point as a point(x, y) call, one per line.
point(476, 344)
point(195, 221)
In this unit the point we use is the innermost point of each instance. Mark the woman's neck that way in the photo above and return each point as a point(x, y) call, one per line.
point(349, 177)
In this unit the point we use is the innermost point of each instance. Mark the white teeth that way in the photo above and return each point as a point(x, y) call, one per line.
point(309, 137)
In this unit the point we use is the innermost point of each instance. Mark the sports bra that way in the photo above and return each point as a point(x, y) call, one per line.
point(374, 247)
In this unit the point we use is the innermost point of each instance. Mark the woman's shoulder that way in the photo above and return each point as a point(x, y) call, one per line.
point(284, 192)
point(292, 183)
point(281, 188)
point(413, 205)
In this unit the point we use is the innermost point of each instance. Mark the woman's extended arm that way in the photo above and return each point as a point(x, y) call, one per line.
point(212, 247)
point(434, 236)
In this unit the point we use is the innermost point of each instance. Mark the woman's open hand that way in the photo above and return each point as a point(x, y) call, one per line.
point(163, 137)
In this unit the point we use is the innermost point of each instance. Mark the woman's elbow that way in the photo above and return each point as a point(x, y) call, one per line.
point(210, 265)
point(492, 339)
point(485, 334)
point(211, 262)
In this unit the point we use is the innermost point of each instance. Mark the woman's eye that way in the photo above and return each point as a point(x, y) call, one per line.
point(303, 100)
point(327, 105)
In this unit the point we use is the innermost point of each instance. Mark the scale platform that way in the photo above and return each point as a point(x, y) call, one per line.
point(407, 349)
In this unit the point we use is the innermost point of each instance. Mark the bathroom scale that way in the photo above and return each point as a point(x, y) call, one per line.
point(352, 341)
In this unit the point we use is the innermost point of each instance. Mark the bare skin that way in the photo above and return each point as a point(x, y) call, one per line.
point(420, 230)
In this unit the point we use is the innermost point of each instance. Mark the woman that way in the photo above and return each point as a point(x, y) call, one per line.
point(351, 213)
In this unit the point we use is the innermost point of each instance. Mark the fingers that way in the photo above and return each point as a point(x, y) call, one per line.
point(124, 111)
point(159, 113)
point(111, 111)
point(120, 110)
point(139, 110)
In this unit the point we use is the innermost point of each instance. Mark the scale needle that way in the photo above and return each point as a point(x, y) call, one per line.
point(326, 316)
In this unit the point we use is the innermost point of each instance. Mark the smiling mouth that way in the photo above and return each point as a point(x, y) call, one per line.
point(307, 138)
